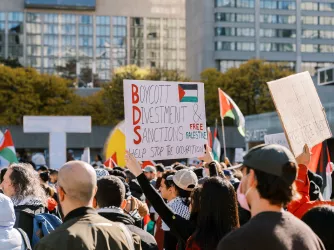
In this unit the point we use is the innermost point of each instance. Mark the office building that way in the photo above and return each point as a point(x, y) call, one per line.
point(97, 34)
point(226, 33)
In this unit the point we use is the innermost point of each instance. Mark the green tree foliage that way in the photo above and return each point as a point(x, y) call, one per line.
point(246, 85)
point(13, 63)
point(23, 91)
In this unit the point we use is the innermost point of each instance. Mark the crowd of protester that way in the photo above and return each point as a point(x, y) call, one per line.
point(270, 201)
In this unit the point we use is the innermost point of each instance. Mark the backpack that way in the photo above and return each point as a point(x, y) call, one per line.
point(44, 224)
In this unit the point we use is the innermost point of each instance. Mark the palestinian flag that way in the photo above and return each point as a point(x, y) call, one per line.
point(216, 148)
point(7, 150)
point(112, 161)
point(228, 108)
point(188, 92)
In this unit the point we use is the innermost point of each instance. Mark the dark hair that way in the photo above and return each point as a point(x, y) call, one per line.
point(199, 172)
point(2, 174)
point(218, 213)
point(180, 167)
point(195, 200)
point(168, 183)
point(130, 176)
point(53, 171)
point(99, 157)
point(119, 169)
point(277, 190)
point(160, 167)
point(321, 220)
point(42, 168)
point(116, 172)
point(44, 176)
point(110, 192)
point(158, 183)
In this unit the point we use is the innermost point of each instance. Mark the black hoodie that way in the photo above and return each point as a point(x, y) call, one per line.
point(147, 240)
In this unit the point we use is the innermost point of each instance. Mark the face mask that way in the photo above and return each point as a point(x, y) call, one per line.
point(242, 198)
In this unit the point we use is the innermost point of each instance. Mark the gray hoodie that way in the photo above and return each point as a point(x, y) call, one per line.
point(10, 238)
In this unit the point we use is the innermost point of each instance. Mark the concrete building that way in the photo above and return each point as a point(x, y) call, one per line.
point(225, 33)
point(96, 34)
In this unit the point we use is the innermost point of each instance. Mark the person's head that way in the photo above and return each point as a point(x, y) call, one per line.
point(98, 158)
point(44, 177)
point(160, 169)
point(268, 175)
point(179, 167)
point(129, 176)
point(21, 181)
point(150, 172)
point(216, 218)
point(53, 176)
point(195, 199)
point(2, 174)
point(166, 186)
point(76, 185)
point(41, 169)
point(179, 184)
point(321, 221)
point(118, 173)
point(110, 192)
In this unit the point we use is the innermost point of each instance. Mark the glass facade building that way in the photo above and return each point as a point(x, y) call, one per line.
point(296, 33)
point(49, 39)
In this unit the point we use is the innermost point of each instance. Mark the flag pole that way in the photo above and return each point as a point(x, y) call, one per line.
point(224, 142)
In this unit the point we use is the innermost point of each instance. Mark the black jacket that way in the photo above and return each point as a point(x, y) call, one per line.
point(84, 229)
point(147, 240)
point(179, 227)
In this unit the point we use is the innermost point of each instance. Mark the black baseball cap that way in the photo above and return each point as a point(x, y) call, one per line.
point(269, 158)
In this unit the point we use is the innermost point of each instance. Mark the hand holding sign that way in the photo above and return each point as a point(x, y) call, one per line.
point(305, 157)
point(208, 157)
point(132, 164)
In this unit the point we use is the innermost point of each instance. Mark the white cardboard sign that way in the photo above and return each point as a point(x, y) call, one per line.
point(279, 139)
point(300, 110)
point(57, 127)
point(164, 120)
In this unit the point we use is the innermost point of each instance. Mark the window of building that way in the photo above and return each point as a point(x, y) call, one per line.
point(283, 5)
point(225, 3)
point(282, 33)
point(326, 48)
point(223, 31)
point(310, 34)
point(224, 17)
point(310, 20)
point(277, 47)
point(309, 6)
point(310, 48)
point(225, 65)
point(279, 19)
point(2, 33)
point(324, 20)
point(312, 67)
point(326, 6)
point(245, 3)
point(326, 34)
point(234, 46)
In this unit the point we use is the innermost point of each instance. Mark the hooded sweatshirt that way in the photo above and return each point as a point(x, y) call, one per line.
point(10, 238)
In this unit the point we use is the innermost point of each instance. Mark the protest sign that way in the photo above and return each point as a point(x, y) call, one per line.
point(279, 139)
point(164, 120)
point(300, 110)
point(239, 155)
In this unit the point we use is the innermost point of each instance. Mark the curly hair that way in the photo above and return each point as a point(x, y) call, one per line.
point(26, 182)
